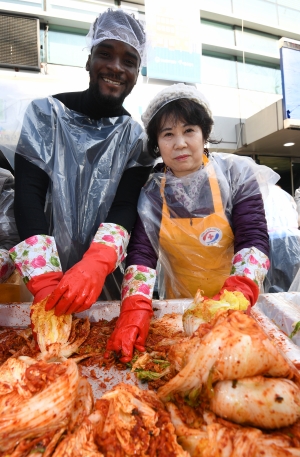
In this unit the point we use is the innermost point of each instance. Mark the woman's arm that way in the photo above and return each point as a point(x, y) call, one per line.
point(140, 250)
point(249, 224)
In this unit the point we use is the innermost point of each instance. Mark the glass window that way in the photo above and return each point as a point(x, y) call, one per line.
point(42, 44)
point(217, 33)
point(30, 3)
point(294, 4)
point(254, 75)
point(220, 6)
point(289, 19)
point(256, 10)
point(255, 41)
point(86, 10)
point(67, 46)
point(218, 69)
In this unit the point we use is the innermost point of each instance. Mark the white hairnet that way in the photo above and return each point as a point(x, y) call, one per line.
point(117, 25)
point(171, 93)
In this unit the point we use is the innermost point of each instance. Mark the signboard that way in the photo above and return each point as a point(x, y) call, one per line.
point(173, 29)
point(290, 76)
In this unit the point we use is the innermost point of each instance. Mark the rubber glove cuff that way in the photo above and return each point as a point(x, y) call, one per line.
point(252, 263)
point(41, 286)
point(36, 256)
point(138, 280)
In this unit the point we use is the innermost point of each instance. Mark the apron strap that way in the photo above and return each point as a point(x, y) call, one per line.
point(215, 190)
point(214, 186)
point(165, 208)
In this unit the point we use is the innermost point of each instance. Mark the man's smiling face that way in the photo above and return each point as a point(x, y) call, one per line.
point(113, 66)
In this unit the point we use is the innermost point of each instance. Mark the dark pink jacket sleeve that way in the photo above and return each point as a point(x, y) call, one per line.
point(140, 250)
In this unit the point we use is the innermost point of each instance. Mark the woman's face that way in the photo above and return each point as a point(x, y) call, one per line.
point(181, 146)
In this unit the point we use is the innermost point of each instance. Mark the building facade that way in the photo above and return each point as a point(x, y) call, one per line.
point(240, 64)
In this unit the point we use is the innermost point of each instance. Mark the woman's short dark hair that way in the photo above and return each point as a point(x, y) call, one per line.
point(184, 110)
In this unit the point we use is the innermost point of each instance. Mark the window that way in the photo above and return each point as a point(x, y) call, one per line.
point(256, 10)
point(222, 6)
point(26, 3)
point(218, 69)
point(294, 4)
point(86, 10)
point(217, 33)
point(253, 75)
point(230, 71)
point(67, 46)
point(289, 18)
point(259, 42)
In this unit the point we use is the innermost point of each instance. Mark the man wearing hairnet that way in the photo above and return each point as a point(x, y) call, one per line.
point(79, 167)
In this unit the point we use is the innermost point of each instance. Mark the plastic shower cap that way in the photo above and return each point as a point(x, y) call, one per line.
point(117, 25)
point(171, 93)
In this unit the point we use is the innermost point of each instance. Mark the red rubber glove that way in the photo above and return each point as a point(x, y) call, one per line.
point(132, 327)
point(242, 284)
point(43, 285)
point(82, 284)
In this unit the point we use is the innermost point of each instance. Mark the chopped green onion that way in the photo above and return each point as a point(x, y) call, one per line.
point(296, 330)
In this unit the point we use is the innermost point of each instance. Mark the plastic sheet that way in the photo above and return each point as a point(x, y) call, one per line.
point(282, 220)
point(16, 97)
point(79, 153)
point(8, 231)
point(283, 342)
point(238, 178)
point(283, 309)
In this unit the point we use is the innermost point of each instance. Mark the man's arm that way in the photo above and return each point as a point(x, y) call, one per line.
point(123, 210)
point(31, 184)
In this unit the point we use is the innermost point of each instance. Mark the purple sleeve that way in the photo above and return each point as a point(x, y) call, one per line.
point(249, 224)
point(140, 250)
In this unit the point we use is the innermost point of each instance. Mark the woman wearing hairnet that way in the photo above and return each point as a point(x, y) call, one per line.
point(202, 216)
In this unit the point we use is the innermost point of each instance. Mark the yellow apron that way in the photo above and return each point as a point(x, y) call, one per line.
point(196, 252)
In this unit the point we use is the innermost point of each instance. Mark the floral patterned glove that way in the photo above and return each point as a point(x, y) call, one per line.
point(136, 311)
point(38, 263)
point(251, 263)
point(82, 284)
point(7, 266)
point(249, 268)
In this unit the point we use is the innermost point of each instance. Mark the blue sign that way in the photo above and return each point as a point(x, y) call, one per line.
point(174, 37)
point(290, 75)
point(175, 65)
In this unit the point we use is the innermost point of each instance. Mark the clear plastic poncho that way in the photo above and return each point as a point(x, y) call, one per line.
point(8, 230)
point(190, 197)
point(85, 160)
point(282, 220)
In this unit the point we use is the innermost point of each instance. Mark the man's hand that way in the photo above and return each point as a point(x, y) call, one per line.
point(82, 284)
